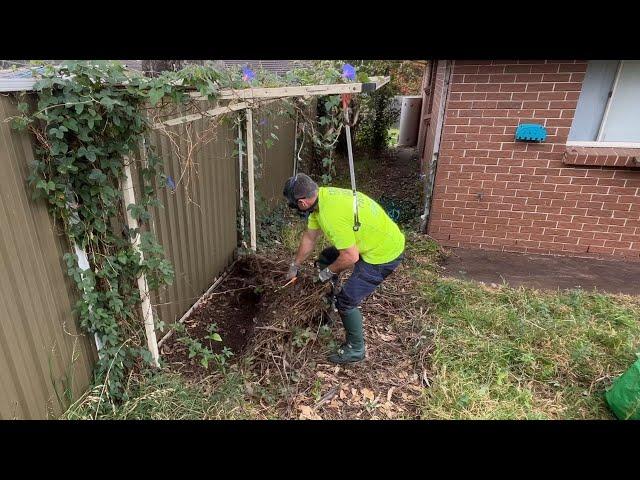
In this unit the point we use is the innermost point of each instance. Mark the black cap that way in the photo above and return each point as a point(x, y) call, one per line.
point(297, 187)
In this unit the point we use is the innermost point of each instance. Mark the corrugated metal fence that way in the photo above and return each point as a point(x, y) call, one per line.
point(40, 343)
point(38, 334)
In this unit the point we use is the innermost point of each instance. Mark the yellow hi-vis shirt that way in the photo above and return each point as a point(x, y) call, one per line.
point(379, 239)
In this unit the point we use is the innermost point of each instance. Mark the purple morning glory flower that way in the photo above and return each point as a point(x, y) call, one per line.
point(262, 122)
point(247, 74)
point(349, 72)
point(171, 183)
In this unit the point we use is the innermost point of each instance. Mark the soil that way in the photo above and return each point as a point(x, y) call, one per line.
point(233, 307)
point(545, 272)
point(244, 300)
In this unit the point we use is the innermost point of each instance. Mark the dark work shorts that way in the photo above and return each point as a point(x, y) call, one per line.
point(364, 279)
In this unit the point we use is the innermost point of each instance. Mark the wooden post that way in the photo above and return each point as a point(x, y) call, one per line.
point(147, 314)
point(252, 198)
point(295, 144)
point(240, 166)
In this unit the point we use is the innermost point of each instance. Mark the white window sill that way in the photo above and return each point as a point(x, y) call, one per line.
point(603, 144)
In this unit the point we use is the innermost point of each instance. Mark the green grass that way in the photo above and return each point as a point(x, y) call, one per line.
point(392, 137)
point(523, 354)
point(167, 396)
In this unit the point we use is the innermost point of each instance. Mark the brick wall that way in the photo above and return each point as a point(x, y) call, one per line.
point(494, 193)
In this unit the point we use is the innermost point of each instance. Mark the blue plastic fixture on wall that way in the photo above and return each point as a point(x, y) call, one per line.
point(531, 132)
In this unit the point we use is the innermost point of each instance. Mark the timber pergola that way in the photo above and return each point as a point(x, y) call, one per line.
point(238, 99)
point(245, 99)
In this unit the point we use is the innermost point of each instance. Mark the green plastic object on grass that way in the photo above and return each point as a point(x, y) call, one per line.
point(624, 395)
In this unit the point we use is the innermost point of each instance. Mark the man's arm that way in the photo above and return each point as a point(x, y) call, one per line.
point(307, 244)
point(348, 257)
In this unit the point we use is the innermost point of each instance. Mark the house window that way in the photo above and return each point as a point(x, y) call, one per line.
point(608, 111)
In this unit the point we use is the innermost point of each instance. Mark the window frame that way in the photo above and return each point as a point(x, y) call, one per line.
point(598, 142)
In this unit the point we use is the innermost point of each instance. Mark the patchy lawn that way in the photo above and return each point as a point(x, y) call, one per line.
point(519, 353)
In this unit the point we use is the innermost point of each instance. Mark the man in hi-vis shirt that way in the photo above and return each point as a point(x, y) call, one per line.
point(374, 250)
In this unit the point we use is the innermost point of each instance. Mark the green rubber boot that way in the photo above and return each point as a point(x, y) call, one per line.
point(353, 349)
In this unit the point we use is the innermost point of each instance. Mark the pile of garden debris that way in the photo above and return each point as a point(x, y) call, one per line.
point(280, 340)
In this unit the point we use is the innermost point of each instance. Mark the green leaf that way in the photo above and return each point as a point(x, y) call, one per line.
point(97, 176)
point(155, 95)
point(215, 337)
point(71, 124)
point(79, 108)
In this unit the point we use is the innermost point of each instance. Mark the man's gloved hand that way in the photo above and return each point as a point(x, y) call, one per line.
point(325, 275)
point(293, 271)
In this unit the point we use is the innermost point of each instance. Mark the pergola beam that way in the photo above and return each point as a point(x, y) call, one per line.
point(214, 112)
point(298, 91)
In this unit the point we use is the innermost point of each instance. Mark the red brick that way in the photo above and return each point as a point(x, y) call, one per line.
point(556, 77)
point(538, 87)
point(547, 68)
point(573, 211)
point(535, 105)
point(529, 77)
point(460, 104)
point(573, 67)
point(476, 78)
point(612, 243)
point(494, 113)
point(489, 146)
point(578, 77)
point(486, 87)
point(499, 95)
point(595, 189)
point(547, 114)
point(563, 104)
point(477, 137)
point(466, 128)
point(531, 96)
point(551, 96)
point(472, 96)
point(491, 69)
point(517, 68)
point(463, 87)
point(482, 121)
point(559, 122)
point(607, 236)
point(503, 78)
point(457, 121)
point(482, 104)
point(510, 104)
point(492, 130)
point(594, 228)
point(568, 86)
point(523, 114)
point(513, 87)
point(501, 138)
point(508, 122)
point(465, 69)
